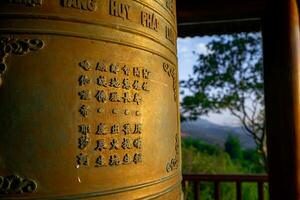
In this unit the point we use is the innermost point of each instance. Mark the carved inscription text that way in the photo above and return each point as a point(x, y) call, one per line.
point(170, 34)
point(117, 91)
point(89, 5)
point(119, 9)
point(149, 20)
point(27, 2)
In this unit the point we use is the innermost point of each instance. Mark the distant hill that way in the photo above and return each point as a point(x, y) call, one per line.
point(215, 133)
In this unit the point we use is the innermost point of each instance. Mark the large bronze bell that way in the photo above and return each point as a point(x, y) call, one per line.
point(89, 104)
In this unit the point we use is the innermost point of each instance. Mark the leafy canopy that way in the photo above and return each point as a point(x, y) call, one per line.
point(228, 75)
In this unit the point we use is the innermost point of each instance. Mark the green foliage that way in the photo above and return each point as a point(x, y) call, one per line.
point(250, 158)
point(233, 147)
point(229, 73)
point(202, 146)
point(195, 161)
point(229, 76)
point(200, 157)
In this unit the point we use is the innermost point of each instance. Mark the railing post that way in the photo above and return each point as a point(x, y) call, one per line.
point(217, 190)
point(238, 190)
point(197, 190)
point(260, 187)
point(218, 179)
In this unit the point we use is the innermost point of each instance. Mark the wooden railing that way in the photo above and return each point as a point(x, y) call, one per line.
point(196, 179)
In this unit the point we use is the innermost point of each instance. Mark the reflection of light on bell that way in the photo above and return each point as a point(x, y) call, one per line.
point(88, 108)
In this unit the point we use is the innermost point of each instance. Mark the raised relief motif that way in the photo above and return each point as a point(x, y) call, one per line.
point(15, 184)
point(89, 5)
point(119, 9)
point(173, 164)
point(149, 20)
point(14, 46)
point(26, 2)
point(171, 71)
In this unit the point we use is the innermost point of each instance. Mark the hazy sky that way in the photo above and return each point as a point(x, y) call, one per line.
point(187, 58)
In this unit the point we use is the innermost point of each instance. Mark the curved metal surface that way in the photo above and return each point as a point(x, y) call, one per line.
point(89, 104)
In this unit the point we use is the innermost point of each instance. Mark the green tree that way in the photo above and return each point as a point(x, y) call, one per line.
point(233, 147)
point(201, 157)
point(229, 76)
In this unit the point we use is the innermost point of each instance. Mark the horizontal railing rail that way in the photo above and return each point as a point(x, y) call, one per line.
point(217, 179)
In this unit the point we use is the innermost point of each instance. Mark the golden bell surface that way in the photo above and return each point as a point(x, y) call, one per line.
point(89, 104)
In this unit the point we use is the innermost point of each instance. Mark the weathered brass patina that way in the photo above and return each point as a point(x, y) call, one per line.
point(89, 104)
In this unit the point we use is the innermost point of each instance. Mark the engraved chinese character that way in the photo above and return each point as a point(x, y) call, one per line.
point(126, 128)
point(84, 80)
point(126, 159)
point(137, 143)
point(85, 65)
point(114, 144)
point(137, 98)
point(101, 81)
point(137, 128)
point(101, 66)
point(114, 82)
point(84, 111)
point(84, 129)
point(100, 110)
point(82, 159)
point(138, 113)
point(114, 68)
point(145, 86)
point(100, 161)
point(115, 111)
point(126, 112)
point(115, 129)
point(101, 96)
point(126, 84)
point(126, 143)
point(137, 158)
point(85, 95)
point(114, 97)
point(146, 73)
point(100, 145)
point(136, 72)
point(126, 97)
point(135, 85)
point(101, 129)
point(83, 142)
point(114, 160)
point(126, 70)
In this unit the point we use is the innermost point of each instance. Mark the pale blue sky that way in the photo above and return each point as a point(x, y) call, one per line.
point(186, 56)
point(187, 59)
